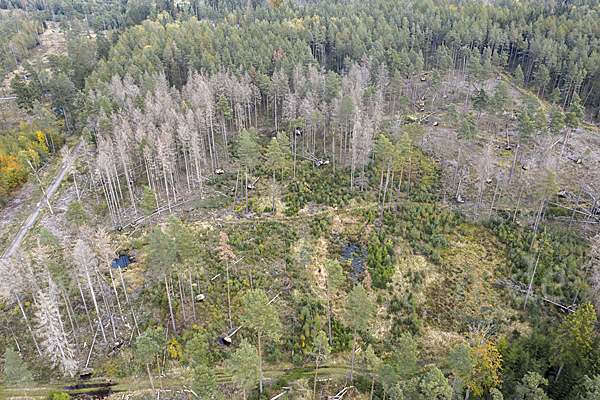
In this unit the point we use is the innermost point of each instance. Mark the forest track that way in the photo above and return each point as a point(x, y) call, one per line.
point(35, 213)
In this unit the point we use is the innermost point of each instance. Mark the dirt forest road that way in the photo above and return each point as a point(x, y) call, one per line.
point(35, 213)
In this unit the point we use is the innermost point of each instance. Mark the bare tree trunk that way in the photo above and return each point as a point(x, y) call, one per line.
point(575, 208)
point(182, 294)
point(329, 315)
point(85, 305)
point(352, 362)
point(129, 302)
point(192, 294)
point(71, 320)
point(273, 191)
point(380, 187)
point(408, 189)
point(87, 274)
point(28, 326)
point(387, 179)
point(260, 378)
point(228, 296)
point(518, 202)
point(151, 381)
point(116, 293)
point(372, 385)
point(108, 310)
point(531, 281)
point(170, 306)
point(316, 371)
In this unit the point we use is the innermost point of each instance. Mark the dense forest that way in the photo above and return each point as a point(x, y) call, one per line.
point(300, 200)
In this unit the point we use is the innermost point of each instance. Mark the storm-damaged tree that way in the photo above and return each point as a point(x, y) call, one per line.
point(105, 252)
point(86, 266)
point(51, 329)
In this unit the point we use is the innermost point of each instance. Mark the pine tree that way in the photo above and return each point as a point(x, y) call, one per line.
point(247, 153)
point(468, 129)
point(557, 120)
point(276, 160)
point(434, 385)
point(320, 352)
point(374, 363)
point(260, 316)
point(225, 111)
point(243, 366)
point(574, 337)
point(205, 381)
point(452, 113)
point(163, 255)
point(359, 310)
point(146, 348)
point(541, 79)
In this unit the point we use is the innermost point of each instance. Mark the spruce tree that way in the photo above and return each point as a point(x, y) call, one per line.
point(76, 215)
point(518, 76)
point(15, 371)
point(148, 203)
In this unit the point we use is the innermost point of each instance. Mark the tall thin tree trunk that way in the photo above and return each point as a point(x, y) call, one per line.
point(129, 302)
point(228, 296)
point(531, 281)
point(170, 306)
point(87, 274)
point(352, 362)
point(71, 320)
point(192, 294)
point(316, 371)
point(151, 381)
point(575, 208)
point(27, 322)
point(329, 315)
point(273, 191)
point(260, 378)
